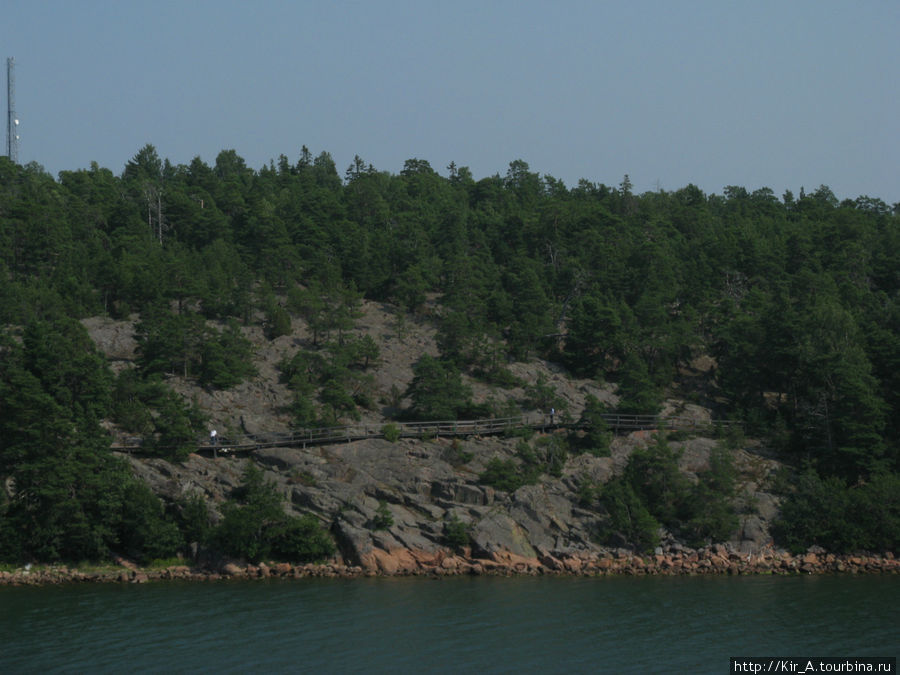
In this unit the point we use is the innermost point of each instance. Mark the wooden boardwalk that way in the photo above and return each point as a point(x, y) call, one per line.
point(303, 438)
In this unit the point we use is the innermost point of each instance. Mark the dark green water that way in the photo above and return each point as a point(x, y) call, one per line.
point(472, 625)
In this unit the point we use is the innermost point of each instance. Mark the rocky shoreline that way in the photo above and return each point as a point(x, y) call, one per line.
point(716, 559)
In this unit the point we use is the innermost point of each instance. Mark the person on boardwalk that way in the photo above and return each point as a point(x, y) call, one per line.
point(552, 416)
point(213, 437)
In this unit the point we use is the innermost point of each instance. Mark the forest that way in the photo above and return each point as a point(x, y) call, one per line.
point(795, 298)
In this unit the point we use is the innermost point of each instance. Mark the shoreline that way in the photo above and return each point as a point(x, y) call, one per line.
point(716, 560)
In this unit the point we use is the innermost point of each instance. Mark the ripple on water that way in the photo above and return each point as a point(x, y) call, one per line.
point(450, 625)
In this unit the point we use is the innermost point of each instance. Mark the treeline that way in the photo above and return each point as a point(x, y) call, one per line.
point(797, 298)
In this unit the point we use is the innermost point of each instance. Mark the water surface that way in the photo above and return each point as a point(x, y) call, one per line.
point(476, 625)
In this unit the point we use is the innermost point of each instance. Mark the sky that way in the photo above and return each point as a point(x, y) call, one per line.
point(778, 94)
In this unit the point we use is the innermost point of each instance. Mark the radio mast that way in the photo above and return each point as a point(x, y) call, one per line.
point(12, 122)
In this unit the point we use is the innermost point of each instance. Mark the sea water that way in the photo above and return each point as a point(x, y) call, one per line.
point(461, 624)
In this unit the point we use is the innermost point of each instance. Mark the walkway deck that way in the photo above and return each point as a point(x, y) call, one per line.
point(484, 427)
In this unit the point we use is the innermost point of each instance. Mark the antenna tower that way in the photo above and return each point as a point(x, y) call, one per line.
point(12, 123)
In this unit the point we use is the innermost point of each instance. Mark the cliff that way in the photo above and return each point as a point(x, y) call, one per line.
point(415, 505)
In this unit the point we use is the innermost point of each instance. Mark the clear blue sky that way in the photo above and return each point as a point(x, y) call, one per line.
point(778, 94)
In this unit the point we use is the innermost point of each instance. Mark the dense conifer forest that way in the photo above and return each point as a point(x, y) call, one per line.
point(795, 298)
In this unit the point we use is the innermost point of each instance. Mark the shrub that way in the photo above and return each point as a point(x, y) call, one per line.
point(638, 395)
point(255, 527)
point(597, 437)
point(629, 522)
point(552, 452)
point(654, 476)
point(437, 390)
point(542, 396)
point(547, 456)
point(147, 407)
point(711, 514)
point(175, 435)
point(588, 491)
point(145, 532)
point(226, 358)
point(301, 540)
point(526, 433)
point(653, 487)
point(278, 322)
point(383, 519)
point(502, 475)
point(456, 532)
point(391, 432)
point(193, 519)
point(827, 513)
point(499, 376)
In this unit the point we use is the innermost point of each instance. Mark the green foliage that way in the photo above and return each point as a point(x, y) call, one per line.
point(526, 433)
point(502, 474)
point(255, 526)
point(652, 491)
point(169, 343)
point(326, 306)
point(183, 344)
point(61, 355)
point(363, 351)
point(332, 376)
point(828, 513)
point(391, 432)
point(175, 431)
point(542, 396)
point(594, 336)
point(226, 358)
point(437, 390)
point(499, 376)
point(638, 395)
point(711, 514)
point(597, 437)
point(304, 478)
point(249, 517)
point(654, 475)
point(71, 499)
point(588, 492)
point(193, 519)
point(278, 322)
point(464, 341)
point(146, 532)
point(336, 401)
point(797, 299)
point(733, 436)
point(132, 399)
point(167, 425)
point(384, 519)
point(630, 521)
point(546, 456)
point(550, 453)
point(531, 465)
point(301, 539)
point(532, 309)
point(456, 532)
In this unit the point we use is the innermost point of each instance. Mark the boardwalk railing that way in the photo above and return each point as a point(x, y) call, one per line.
point(482, 427)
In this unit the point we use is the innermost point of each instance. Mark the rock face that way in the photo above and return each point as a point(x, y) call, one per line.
point(418, 483)
point(426, 486)
point(114, 338)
